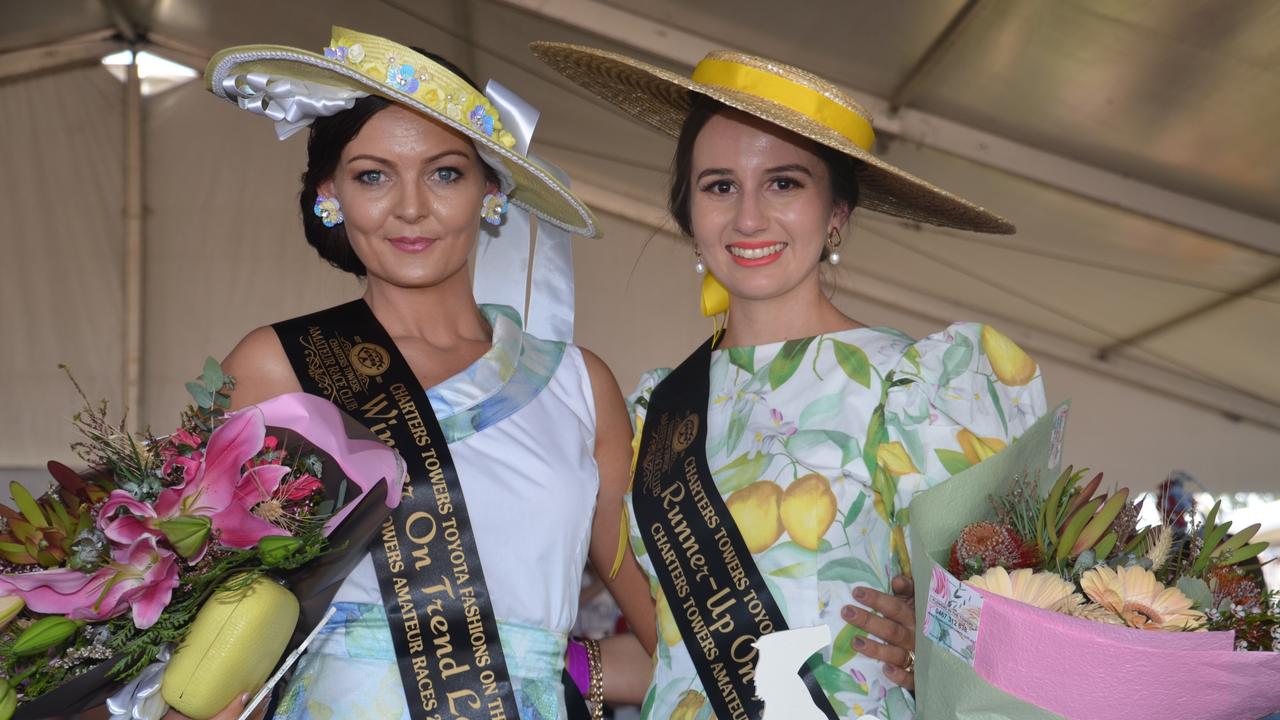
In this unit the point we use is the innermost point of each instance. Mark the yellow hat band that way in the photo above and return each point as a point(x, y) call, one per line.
point(804, 100)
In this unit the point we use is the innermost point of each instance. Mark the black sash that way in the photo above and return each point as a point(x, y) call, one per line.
point(716, 594)
point(437, 603)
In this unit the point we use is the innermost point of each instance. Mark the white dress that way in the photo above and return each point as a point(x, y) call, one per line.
point(520, 423)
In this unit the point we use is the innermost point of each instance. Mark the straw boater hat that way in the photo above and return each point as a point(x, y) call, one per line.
point(293, 87)
point(786, 96)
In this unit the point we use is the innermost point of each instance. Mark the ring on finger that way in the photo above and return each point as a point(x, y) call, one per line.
point(910, 667)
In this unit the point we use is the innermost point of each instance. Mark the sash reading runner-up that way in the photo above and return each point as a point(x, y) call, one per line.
point(437, 603)
point(717, 596)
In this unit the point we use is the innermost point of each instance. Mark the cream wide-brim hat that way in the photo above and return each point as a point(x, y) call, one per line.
point(786, 96)
point(275, 80)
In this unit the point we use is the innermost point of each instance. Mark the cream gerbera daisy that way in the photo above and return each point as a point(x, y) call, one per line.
point(1041, 589)
point(1139, 599)
point(1096, 613)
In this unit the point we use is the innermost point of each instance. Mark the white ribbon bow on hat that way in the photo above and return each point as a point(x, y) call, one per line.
point(292, 104)
point(504, 253)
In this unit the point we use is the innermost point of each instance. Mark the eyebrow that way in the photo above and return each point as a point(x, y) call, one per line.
point(792, 167)
point(714, 171)
point(433, 158)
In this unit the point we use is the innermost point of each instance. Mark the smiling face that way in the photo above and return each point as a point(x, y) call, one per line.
point(760, 207)
point(411, 191)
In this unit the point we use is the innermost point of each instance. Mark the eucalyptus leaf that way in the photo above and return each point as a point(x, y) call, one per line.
point(1086, 560)
point(212, 376)
point(1197, 591)
point(200, 394)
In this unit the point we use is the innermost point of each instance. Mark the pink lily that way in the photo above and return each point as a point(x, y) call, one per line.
point(217, 491)
point(141, 577)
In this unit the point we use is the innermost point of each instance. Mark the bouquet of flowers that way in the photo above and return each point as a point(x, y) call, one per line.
point(105, 571)
point(1039, 596)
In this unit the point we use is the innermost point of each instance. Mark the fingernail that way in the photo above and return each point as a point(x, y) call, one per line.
point(860, 594)
point(244, 699)
point(859, 643)
point(848, 613)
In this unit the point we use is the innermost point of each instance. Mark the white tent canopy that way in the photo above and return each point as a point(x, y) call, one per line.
point(1134, 145)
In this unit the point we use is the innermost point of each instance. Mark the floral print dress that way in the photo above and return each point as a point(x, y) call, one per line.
point(787, 424)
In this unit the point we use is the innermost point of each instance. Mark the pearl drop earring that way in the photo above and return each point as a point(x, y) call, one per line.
point(833, 246)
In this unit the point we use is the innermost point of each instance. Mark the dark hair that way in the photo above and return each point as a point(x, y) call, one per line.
point(329, 135)
point(841, 168)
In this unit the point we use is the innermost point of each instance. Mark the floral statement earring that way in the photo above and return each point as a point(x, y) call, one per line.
point(495, 206)
point(328, 210)
point(833, 246)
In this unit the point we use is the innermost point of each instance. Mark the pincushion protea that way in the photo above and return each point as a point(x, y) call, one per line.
point(984, 545)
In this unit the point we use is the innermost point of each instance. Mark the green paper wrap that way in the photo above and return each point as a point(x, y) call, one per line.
point(947, 687)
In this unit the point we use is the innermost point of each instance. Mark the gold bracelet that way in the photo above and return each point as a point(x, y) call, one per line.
point(595, 671)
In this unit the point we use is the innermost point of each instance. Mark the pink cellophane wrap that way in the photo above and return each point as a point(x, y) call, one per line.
point(365, 462)
point(1105, 671)
point(1034, 664)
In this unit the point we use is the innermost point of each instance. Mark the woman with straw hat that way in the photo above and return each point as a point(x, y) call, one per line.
point(775, 464)
point(462, 606)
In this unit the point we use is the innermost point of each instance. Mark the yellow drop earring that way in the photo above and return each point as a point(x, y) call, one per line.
point(714, 298)
point(715, 304)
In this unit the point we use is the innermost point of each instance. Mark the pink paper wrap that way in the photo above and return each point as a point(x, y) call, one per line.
point(1107, 672)
point(365, 462)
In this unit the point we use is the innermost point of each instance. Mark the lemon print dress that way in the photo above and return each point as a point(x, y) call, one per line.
point(521, 425)
point(786, 427)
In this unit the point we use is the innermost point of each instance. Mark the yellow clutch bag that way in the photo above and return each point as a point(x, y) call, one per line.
point(237, 639)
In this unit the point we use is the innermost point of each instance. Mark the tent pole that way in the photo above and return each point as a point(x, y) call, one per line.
point(133, 259)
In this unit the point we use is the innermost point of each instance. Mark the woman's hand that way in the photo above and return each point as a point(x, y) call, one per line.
point(230, 712)
point(894, 622)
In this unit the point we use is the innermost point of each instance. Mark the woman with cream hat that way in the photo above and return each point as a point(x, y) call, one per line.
point(512, 434)
point(774, 465)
